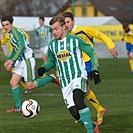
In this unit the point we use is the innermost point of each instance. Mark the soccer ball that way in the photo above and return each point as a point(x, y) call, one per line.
point(30, 108)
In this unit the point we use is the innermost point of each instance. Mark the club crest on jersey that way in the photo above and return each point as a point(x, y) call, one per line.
point(63, 55)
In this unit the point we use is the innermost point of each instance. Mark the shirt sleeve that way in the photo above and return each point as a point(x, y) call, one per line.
point(20, 43)
point(89, 50)
point(11, 55)
point(36, 33)
point(51, 61)
point(97, 34)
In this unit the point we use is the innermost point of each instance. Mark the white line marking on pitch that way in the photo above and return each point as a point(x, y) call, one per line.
point(9, 94)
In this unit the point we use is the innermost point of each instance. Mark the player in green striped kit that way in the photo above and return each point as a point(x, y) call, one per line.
point(23, 61)
point(21, 58)
point(43, 35)
point(65, 51)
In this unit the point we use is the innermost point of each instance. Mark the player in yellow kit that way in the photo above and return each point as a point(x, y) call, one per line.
point(128, 38)
point(88, 33)
point(6, 40)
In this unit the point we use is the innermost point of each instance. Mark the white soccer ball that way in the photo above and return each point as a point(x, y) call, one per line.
point(30, 108)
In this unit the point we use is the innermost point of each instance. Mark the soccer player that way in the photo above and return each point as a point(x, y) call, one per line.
point(6, 40)
point(65, 52)
point(23, 61)
point(128, 38)
point(43, 34)
point(87, 33)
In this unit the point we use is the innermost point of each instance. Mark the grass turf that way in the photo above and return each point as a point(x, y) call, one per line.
point(114, 93)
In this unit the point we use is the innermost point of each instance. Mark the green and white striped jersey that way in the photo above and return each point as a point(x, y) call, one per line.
point(45, 35)
point(67, 55)
point(21, 46)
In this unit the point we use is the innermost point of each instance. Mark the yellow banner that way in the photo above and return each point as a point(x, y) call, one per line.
point(112, 31)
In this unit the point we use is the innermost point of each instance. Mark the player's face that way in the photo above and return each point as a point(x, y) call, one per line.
point(41, 22)
point(69, 24)
point(58, 31)
point(7, 26)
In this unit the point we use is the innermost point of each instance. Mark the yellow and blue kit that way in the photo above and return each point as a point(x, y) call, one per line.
point(87, 34)
point(128, 38)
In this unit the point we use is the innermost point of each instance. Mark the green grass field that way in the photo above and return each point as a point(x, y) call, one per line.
point(114, 93)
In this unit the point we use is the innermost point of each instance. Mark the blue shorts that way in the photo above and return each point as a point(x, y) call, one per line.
point(129, 48)
point(88, 68)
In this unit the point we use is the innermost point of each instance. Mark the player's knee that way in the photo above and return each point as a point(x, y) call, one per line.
point(74, 112)
point(130, 55)
point(13, 83)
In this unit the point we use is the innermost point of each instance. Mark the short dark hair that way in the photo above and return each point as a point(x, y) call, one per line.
point(42, 18)
point(125, 25)
point(68, 15)
point(7, 18)
point(59, 19)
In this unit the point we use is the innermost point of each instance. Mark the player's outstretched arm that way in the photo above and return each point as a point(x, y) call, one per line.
point(90, 51)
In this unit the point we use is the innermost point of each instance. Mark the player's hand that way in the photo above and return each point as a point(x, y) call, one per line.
point(9, 68)
point(41, 71)
point(114, 53)
point(95, 76)
point(8, 65)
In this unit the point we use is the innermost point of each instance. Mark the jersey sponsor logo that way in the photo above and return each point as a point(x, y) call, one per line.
point(42, 34)
point(63, 55)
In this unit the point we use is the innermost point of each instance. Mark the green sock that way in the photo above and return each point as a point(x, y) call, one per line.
point(42, 81)
point(80, 121)
point(93, 125)
point(17, 96)
point(86, 118)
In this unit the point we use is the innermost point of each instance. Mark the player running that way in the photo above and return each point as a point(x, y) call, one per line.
point(65, 52)
point(23, 61)
point(87, 33)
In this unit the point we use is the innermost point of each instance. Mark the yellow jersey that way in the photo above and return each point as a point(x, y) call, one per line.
point(6, 39)
point(88, 33)
point(128, 37)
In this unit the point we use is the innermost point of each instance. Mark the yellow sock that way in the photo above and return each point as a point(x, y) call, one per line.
point(23, 84)
point(131, 64)
point(12, 69)
point(56, 73)
point(44, 75)
point(94, 102)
